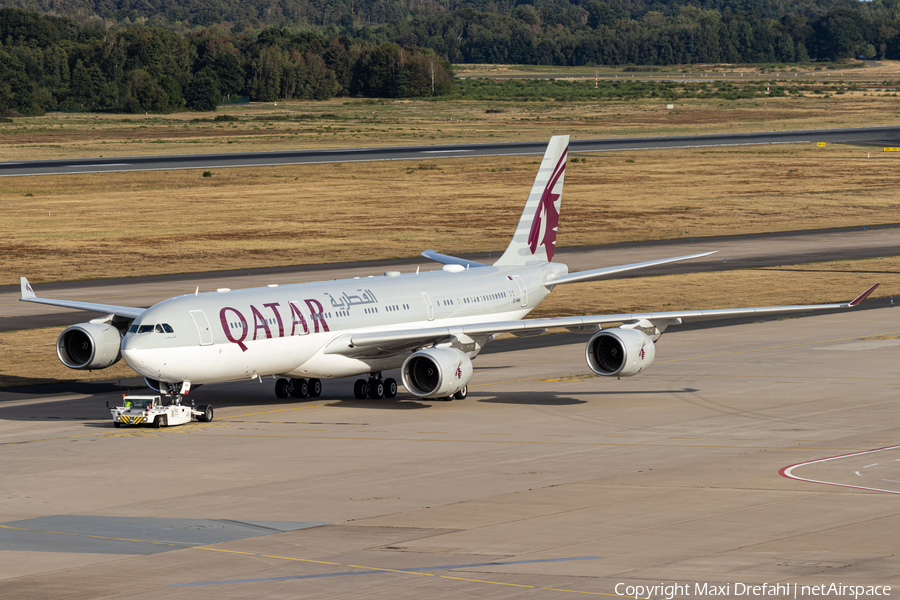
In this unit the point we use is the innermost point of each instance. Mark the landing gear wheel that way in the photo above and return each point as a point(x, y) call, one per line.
point(360, 389)
point(376, 389)
point(390, 388)
point(461, 394)
point(281, 388)
point(299, 388)
point(315, 388)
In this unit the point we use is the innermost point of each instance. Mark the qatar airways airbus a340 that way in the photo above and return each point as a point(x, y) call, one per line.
point(429, 324)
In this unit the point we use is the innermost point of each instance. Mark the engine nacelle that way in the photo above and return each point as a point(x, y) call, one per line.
point(619, 352)
point(89, 346)
point(436, 372)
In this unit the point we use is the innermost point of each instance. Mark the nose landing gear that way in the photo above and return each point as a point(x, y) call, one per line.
point(375, 388)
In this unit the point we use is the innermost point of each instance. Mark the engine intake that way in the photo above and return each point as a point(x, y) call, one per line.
point(619, 352)
point(436, 372)
point(89, 346)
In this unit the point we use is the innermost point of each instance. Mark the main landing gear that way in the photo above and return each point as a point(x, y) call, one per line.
point(375, 387)
point(298, 388)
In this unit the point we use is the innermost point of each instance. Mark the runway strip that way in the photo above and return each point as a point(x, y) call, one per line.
point(871, 136)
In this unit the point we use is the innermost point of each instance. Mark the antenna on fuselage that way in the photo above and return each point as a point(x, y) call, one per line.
point(417, 270)
point(197, 291)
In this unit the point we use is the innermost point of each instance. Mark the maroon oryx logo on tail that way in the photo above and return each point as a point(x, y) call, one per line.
point(546, 213)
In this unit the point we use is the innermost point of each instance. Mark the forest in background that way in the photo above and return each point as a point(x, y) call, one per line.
point(53, 63)
point(154, 56)
point(559, 32)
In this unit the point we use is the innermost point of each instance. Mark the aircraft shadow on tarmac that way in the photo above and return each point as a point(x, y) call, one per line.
point(383, 404)
point(550, 399)
point(93, 412)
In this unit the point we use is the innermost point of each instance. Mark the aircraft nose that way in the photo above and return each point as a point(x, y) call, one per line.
point(133, 352)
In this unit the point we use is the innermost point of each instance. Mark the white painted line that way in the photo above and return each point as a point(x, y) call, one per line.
point(94, 166)
point(858, 473)
point(872, 465)
point(788, 471)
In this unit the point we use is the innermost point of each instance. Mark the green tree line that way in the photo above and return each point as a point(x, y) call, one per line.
point(243, 15)
point(53, 63)
point(602, 33)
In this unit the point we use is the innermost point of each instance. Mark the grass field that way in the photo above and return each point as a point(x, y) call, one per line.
point(29, 357)
point(121, 224)
point(354, 123)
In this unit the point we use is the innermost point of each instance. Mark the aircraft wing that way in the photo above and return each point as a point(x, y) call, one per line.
point(598, 273)
point(28, 295)
point(384, 342)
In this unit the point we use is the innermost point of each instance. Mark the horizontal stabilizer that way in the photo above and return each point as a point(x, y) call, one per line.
point(445, 259)
point(606, 271)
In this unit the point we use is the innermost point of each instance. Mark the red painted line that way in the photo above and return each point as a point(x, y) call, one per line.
point(786, 471)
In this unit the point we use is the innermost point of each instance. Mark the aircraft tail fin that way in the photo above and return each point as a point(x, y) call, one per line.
point(535, 236)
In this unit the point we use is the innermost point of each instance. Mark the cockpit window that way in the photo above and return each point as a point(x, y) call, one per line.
point(145, 329)
point(159, 328)
point(133, 329)
point(167, 328)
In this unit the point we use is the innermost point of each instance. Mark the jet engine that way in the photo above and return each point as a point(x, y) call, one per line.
point(619, 352)
point(89, 346)
point(436, 372)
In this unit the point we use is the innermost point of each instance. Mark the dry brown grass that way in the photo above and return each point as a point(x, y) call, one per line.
point(29, 357)
point(354, 123)
point(121, 224)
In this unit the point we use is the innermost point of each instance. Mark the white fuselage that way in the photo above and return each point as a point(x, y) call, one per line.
point(229, 335)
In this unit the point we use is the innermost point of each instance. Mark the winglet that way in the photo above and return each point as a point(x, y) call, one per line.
point(862, 297)
point(27, 292)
